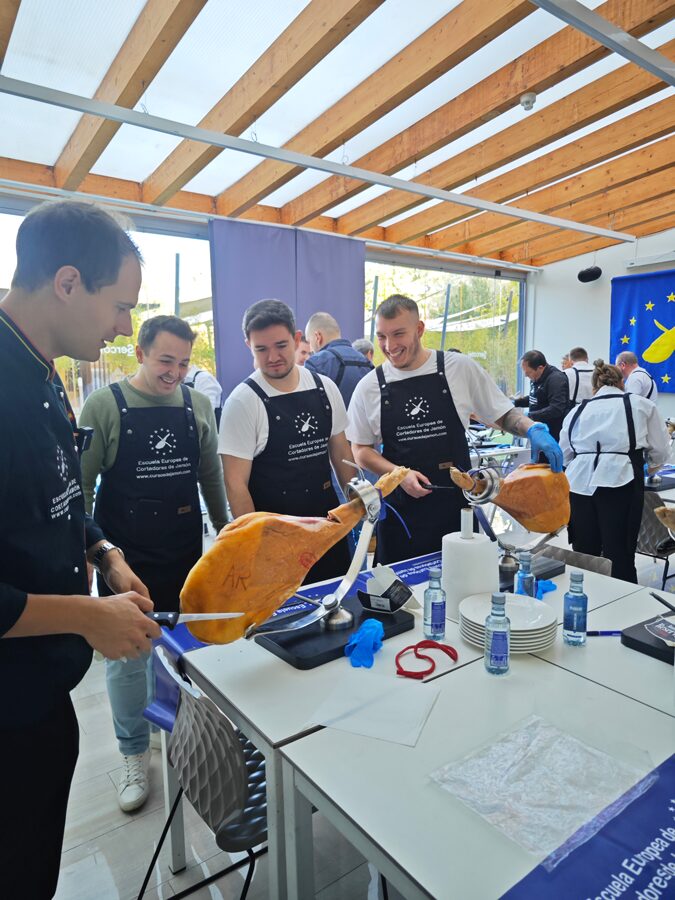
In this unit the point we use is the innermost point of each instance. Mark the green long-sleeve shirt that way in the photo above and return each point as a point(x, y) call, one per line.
point(100, 412)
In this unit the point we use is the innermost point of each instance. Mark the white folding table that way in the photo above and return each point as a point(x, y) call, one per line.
point(422, 839)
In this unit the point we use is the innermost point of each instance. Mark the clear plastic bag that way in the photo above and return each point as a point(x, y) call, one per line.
point(542, 787)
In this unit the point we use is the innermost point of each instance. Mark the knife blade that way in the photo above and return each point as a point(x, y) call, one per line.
point(171, 619)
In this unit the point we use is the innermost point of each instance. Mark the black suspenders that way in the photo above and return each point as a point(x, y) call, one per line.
point(630, 422)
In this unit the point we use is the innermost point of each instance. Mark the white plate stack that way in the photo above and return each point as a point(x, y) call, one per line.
point(533, 623)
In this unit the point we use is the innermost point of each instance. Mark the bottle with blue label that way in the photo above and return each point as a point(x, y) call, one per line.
point(434, 607)
point(497, 637)
point(525, 580)
point(575, 610)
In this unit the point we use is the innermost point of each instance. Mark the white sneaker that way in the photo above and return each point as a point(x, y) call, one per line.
point(134, 785)
point(155, 740)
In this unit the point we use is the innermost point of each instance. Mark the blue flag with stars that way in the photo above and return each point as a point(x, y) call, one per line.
point(643, 320)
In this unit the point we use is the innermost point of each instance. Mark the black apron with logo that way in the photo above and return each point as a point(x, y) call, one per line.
point(292, 475)
point(148, 501)
point(422, 430)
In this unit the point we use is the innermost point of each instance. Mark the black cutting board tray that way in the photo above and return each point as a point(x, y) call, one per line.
point(314, 646)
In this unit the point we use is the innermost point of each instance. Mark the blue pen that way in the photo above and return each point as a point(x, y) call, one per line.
point(603, 633)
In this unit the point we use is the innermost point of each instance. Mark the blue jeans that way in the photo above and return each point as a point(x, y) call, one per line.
point(130, 690)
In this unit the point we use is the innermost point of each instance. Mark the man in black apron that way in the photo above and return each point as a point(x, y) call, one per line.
point(147, 448)
point(281, 431)
point(417, 407)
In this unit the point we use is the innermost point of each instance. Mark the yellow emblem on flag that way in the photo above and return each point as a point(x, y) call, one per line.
point(663, 347)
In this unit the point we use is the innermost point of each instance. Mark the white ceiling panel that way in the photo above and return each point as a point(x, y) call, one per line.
point(67, 45)
point(34, 132)
point(220, 46)
point(383, 34)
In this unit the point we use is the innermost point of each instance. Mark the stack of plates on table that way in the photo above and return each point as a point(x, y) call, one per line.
point(533, 623)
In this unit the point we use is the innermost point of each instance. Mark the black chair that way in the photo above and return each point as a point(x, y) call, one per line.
point(654, 538)
point(222, 775)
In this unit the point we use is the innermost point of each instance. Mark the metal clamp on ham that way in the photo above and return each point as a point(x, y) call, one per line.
point(329, 610)
point(260, 560)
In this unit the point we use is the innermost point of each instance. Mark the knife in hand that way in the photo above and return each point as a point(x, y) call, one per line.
point(171, 619)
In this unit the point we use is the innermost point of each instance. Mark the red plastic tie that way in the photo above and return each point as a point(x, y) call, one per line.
point(427, 644)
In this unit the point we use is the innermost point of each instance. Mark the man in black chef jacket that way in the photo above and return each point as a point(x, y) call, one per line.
point(549, 399)
point(76, 282)
point(281, 431)
point(417, 405)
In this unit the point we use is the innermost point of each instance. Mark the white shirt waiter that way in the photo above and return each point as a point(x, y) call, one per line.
point(205, 383)
point(641, 382)
point(596, 451)
point(579, 376)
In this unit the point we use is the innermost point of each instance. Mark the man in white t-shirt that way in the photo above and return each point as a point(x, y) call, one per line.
point(579, 375)
point(636, 380)
point(281, 431)
point(417, 405)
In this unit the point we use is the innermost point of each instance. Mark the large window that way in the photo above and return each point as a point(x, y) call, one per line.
point(176, 279)
point(475, 314)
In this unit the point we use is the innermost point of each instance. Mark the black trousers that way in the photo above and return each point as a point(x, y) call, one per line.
point(37, 764)
point(607, 524)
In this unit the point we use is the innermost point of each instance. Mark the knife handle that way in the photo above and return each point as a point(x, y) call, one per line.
point(166, 619)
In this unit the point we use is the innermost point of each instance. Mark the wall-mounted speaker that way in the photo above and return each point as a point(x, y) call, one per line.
point(590, 274)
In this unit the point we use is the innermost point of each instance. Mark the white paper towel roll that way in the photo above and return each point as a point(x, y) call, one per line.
point(469, 567)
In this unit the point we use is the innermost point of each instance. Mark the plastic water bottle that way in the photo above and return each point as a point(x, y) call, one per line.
point(525, 581)
point(497, 637)
point(574, 615)
point(434, 607)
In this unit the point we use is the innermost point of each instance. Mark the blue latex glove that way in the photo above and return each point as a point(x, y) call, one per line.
point(543, 587)
point(542, 442)
point(364, 644)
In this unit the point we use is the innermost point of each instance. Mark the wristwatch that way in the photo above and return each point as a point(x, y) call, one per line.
point(105, 547)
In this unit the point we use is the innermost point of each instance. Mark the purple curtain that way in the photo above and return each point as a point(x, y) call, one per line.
point(249, 262)
point(331, 278)
point(310, 272)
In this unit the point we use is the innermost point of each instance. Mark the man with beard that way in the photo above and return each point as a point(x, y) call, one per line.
point(417, 405)
point(281, 431)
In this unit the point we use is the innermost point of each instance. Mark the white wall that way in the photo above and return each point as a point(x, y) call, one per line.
point(562, 312)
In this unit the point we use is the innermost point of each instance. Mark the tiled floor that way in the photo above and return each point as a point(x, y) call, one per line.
point(107, 851)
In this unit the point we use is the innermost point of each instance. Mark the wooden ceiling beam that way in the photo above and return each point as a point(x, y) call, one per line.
point(461, 32)
point(547, 64)
point(317, 30)
point(36, 175)
point(620, 137)
point(592, 181)
point(153, 37)
point(575, 197)
point(653, 226)
point(611, 205)
point(9, 10)
point(25, 172)
point(638, 214)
